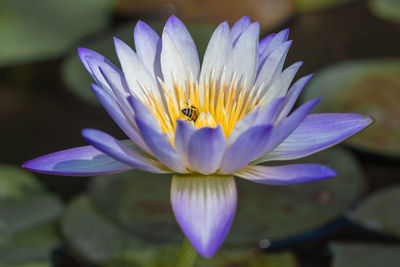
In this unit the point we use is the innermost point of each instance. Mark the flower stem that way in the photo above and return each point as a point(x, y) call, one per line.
point(187, 255)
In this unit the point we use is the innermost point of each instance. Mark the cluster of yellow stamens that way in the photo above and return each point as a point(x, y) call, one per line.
point(217, 102)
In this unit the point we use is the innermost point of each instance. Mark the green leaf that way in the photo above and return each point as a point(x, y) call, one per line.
point(93, 236)
point(318, 5)
point(353, 87)
point(23, 202)
point(365, 255)
point(78, 80)
point(42, 29)
point(16, 217)
point(386, 9)
point(248, 258)
point(30, 248)
point(140, 203)
point(279, 212)
point(379, 211)
point(17, 184)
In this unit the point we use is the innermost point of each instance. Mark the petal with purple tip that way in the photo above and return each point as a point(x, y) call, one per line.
point(287, 126)
point(265, 42)
point(245, 55)
point(115, 113)
point(239, 27)
point(143, 113)
point(174, 69)
point(206, 149)
point(292, 95)
point(286, 174)
point(246, 147)
point(271, 68)
point(118, 150)
point(274, 43)
point(218, 55)
point(184, 44)
point(79, 161)
point(136, 74)
point(204, 207)
point(317, 132)
point(85, 53)
point(148, 47)
point(161, 147)
point(280, 86)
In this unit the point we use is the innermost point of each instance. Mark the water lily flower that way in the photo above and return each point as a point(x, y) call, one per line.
point(203, 122)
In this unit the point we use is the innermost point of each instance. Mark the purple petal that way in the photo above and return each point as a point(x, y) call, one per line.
point(183, 134)
point(143, 113)
point(285, 174)
point(85, 53)
point(206, 148)
point(79, 161)
point(239, 27)
point(148, 47)
point(281, 84)
point(254, 118)
point(246, 147)
point(161, 148)
point(94, 64)
point(184, 44)
point(318, 132)
point(272, 66)
point(287, 126)
point(275, 42)
point(243, 125)
point(114, 111)
point(204, 207)
point(268, 114)
point(118, 150)
point(292, 95)
point(264, 42)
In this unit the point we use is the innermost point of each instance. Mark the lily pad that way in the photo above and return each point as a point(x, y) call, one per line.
point(17, 184)
point(78, 79)
point(23, 202)
point(304, 6)
point(139, 202)
point(380, 211)
point(93, 236)
point(370, 87)
point(386, 9)
point(99, 240)
point(42, 29)
point(248, 258)
point(30, 248)
point(274, 213)
point(365, 255)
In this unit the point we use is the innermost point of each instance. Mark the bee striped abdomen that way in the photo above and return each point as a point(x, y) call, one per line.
point(190, 113)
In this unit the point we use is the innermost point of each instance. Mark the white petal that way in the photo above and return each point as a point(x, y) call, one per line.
point(245, 54)
point(136, 74)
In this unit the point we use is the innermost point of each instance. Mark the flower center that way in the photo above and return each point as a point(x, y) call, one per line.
point(217, 102)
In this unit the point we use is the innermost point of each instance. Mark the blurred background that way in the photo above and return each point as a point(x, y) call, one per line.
point(126, 219)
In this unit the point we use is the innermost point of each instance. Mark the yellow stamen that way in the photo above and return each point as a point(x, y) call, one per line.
point(219, 102)
point(205, 120)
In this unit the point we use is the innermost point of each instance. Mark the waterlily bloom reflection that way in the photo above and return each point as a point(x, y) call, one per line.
point(204, 122)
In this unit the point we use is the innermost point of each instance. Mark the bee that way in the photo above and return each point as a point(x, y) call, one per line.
point(191, 113)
